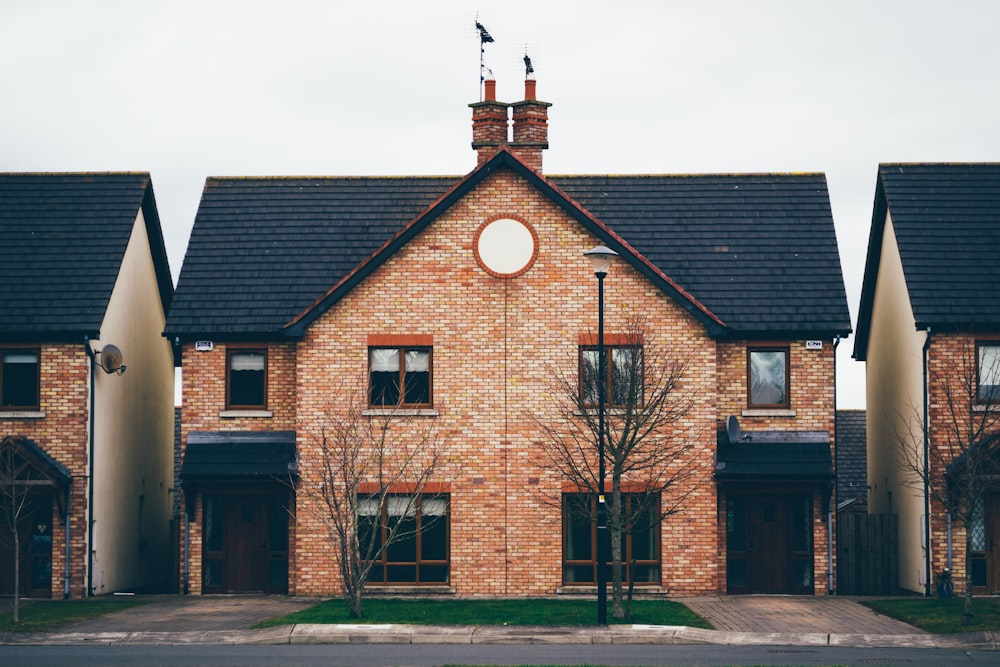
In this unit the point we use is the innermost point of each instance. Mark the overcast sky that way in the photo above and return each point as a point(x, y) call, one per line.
point(186, 90)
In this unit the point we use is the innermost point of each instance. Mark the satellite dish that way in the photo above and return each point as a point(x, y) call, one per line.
point(111, 360)
point(733, 429)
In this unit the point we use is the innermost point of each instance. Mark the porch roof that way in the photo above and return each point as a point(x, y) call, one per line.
point(233, 455)
point(775, 455)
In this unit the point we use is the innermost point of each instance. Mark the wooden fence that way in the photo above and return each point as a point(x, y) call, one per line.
point(867, 554)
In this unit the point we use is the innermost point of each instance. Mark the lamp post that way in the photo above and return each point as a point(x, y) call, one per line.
point(600, 257)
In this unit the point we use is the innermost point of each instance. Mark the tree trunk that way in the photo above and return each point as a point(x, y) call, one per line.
point(17, 575)
point(354, 602)
point(967, 607)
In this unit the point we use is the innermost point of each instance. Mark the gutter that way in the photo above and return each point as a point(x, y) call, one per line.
point(831, 506)
point(90, 475)
point(926, 475)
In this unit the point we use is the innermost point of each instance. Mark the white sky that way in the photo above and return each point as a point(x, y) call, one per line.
point(187, 90)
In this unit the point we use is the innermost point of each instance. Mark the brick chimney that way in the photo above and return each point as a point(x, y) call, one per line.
point(531, 127)
point(489, 123)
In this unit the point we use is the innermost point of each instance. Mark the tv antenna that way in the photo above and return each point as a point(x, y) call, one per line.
point(484, 38)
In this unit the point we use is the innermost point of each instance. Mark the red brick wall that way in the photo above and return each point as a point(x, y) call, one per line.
point(496, 343)
point(951, 367)
point(62, 433)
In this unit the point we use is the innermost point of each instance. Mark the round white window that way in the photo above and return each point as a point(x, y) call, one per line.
point(506, 247)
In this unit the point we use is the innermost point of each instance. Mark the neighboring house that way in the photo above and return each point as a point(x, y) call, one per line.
point(930, 320)
point(852, 462)
point(472, 293)
point(84, 287)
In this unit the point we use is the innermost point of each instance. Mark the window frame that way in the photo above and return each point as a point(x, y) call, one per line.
point(571, 501)
point(401, 380)
point(980, 399)
point(22, 407)
point(379, 575)
point(786, 351)
point(610, 394)
point(230, 352)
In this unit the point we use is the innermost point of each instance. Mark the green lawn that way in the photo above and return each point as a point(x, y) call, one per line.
point(940, 616)
point(42, 615)
point(490, 612)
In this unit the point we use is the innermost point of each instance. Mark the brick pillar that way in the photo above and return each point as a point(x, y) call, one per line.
point(489, 123)
point(531, 127)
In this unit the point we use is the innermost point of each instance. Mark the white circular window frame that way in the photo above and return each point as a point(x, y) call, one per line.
point(506, 246)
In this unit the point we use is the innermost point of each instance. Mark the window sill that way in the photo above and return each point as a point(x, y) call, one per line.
point(400, 412)
point(22, 414)
point(640, 590)
point(236, 414)
point(376, 590)
point(768, 413)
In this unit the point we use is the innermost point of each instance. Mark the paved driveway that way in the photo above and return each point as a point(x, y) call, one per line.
point(795, 614)
point(736, 613)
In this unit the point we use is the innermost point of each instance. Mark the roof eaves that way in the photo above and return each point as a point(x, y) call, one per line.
point(880, 211)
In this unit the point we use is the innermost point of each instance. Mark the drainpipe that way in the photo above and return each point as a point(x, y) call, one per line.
point(90, 476)
point(927, 498)
point(832, 503)
point(66, 568)
point(187, 547)
point(949, 542)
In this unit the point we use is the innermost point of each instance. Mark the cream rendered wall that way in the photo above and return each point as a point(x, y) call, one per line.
point(894, 379)
point(133, 427)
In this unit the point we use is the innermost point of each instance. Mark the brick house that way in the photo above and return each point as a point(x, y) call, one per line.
point(84, 291)
point(472, 290)
point(929, 322)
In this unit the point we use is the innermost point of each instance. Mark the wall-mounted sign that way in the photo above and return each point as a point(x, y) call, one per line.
point(814, 345)
point(204, 345)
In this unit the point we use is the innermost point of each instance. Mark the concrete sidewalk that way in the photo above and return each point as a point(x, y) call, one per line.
point(740, 620)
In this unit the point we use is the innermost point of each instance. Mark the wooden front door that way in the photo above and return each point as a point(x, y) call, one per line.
point(769, 543)
point(991, 506)
point(769, 535)
point(246, 546)
point(35, 543)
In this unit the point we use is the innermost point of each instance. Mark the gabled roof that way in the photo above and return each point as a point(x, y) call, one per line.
point(852, 456)
point(947, 223)
point(268, 256)
point(64, 237)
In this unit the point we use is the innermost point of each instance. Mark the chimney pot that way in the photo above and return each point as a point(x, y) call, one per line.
point(529, 89)
point(490, 93)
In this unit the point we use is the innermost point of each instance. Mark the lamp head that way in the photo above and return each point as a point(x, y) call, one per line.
point(600, 258)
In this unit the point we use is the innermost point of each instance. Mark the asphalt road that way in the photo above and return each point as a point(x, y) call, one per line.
point(386, 655)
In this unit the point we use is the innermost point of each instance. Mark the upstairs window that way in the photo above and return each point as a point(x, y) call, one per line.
point(246, 386)
point(19, 380)
point(767, 377)
point(624, 375)
point(988, 372)
point(399, 377)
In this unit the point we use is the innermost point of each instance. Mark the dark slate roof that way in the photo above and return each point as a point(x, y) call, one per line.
point(263, 249)
point(273, 253)
point(852, 457)
point(947, 223)
point(758, 250)
point(240, 455)
point(63, 237)
point(775, 455)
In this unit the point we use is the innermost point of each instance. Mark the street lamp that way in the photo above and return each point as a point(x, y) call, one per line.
point(600, 257)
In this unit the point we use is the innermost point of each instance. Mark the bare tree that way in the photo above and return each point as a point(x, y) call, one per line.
point(646, 441)
point(17, 479)
point(376, 468)
point(959, 462)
